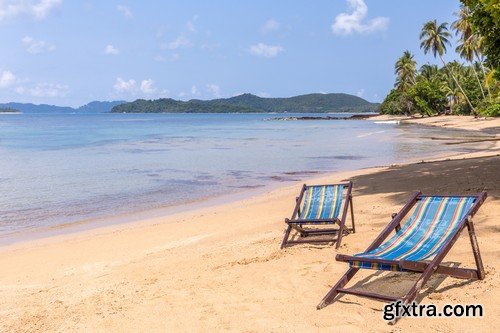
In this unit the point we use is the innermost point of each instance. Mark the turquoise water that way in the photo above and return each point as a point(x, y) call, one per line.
point(64, 168)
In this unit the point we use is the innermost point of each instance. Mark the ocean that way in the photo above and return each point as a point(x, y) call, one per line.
point(63, 168)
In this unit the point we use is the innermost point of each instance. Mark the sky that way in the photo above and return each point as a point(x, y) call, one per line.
point(72, 52)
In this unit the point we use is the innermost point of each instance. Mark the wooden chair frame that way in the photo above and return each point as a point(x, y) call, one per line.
point(298, 224)
point(425, 268)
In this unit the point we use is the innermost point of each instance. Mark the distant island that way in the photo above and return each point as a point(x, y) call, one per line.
point(92, 107)
point(248, 103)
point(8, 110)
point(245, 103)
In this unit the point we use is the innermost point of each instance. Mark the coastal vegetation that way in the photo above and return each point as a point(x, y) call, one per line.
point(248, 103)
point(471, 87)
point(8, 110)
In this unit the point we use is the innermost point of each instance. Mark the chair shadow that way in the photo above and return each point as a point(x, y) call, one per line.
point(432, 286)
point(317, 244)
point(432, 177)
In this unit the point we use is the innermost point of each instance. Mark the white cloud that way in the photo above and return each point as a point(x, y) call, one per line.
point(214, 90)
point(34, 46)
point(131, 88)
point(267, 51)
point(44, 90)
point(42, 8)
point(27, 87)
point(360, 93)
point(348, 23)
point(194, 90)
point(179, 42)
point(125, 11)
point(7, 78)
point(263, 94)
point(110, 49)
point(147, 87)
point(121, 86)
point(38, 9)
point(270, 26)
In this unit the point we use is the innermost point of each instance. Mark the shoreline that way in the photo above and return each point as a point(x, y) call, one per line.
point(144, 218)
point(190, 271)
point(121, 220)
point(468, 123)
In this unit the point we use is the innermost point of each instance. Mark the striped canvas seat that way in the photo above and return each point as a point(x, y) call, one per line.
point(321, 202)
point(317, 206)
point(433, 222)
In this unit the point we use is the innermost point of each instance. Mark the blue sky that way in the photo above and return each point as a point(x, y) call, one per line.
point(71, 52)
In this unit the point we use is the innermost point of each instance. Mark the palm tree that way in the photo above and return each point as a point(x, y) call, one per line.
point(462, 24)
point(429, 71)
point(452, 92)
point(434, 37)
point(460, 73)
point(470, 42)
point(467, 49)
point(478, 52)
point(405, 69)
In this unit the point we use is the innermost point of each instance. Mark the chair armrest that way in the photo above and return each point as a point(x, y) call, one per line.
point(398, 226)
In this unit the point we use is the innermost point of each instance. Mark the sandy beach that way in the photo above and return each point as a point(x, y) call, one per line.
point(220, 268)
point(488, 125)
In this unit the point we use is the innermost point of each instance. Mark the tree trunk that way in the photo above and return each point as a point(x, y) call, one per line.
point(484, 75)
point(477, 78)
point(474, 112)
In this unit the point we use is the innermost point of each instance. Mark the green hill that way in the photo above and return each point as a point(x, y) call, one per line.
point(246, 103)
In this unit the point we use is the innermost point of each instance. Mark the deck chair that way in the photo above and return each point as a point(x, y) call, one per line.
point(316, 206)
point(419, 246)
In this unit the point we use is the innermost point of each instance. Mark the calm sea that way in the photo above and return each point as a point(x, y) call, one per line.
point(57, 169)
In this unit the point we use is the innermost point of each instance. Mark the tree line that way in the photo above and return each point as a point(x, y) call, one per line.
point(471, 87)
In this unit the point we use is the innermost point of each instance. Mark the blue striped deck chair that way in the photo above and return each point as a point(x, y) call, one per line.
point(317, 206)
point(420, 245)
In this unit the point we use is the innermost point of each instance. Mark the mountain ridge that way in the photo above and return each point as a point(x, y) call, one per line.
point(249, 103)
point(91, 107)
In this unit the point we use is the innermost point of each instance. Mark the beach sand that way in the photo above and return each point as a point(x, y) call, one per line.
point(220, 268)
point(487, 125)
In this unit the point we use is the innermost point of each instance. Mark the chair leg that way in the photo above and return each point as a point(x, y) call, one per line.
point(475, 250)
point(342, 224)
point(330, 296)
point(352, 216)
point(302, 232)
point(285, 238)
point(339, 236)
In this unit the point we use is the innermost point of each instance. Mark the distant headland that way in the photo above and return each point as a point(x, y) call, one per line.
point(245, 103)
point(248, 103)
point(9, 111)
point(92, 107)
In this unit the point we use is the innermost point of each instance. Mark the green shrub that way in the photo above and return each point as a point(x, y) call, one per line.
point(492, 110)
